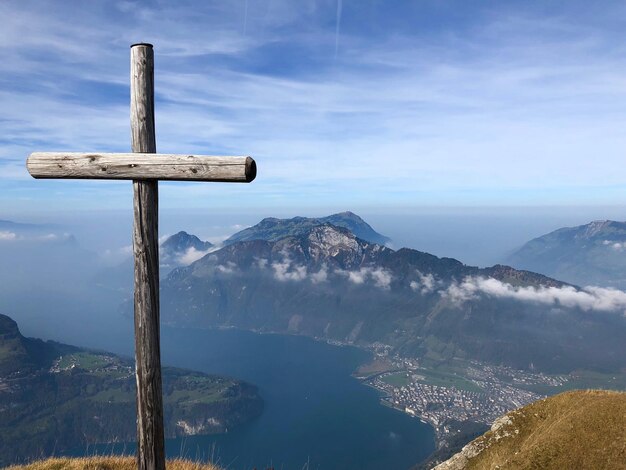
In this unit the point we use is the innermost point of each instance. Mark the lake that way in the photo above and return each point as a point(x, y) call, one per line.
point(316, 416)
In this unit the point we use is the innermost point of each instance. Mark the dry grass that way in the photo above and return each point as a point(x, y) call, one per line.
point(106, 463)
point(573, 430)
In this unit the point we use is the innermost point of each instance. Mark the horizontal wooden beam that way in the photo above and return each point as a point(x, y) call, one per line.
point(141, 166)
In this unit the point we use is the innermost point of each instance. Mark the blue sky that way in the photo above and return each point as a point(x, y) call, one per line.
point(344, 104)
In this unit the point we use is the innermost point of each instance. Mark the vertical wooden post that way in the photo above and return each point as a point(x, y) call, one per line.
point(150, 435)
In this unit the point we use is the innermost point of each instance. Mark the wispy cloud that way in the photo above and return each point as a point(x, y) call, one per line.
point(191, 255)
point(588, 299)
point(425, 284)
point(228, 268)
point(320, 276)
point(286, 270)
point(617, 246)
point(379, 276)
point(510, 101)
point(8, 236)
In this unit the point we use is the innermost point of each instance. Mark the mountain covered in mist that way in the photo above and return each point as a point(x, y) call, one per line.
point(10, 230)
point(42, 255)
point(591, 254)
point(181, 249)
point(55, 397)
point(176, 250)
point(322, 280)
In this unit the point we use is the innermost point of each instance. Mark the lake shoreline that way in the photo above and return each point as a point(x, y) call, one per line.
point(437, 438)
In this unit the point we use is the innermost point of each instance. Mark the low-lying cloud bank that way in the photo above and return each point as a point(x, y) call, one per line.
point(588, 298)
point(6, 235)
point(191, 255)
point(288, 270)
point(472, 287)
point(617, 246)
point(379, 276)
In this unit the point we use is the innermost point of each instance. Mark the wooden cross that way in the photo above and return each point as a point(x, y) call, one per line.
point(145, 170)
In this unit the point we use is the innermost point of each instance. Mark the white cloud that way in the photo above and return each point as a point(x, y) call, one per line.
point(426, 283)
point(589, 298)
point(381, 277)
point(286, 271)
point(229, 268)
point(192, 255)
point(617, 246)
point(520, 82)
point(320, 276)
point(49, 236)
point(216, 240)
point(5, 235)
point(357, 277)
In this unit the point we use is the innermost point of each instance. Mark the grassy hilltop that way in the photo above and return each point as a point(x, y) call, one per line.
point(577, 430)
point(106, 463)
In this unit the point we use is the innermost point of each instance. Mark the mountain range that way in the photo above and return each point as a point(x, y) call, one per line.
point(311, 277)
point(56, 397)
point(590, 254)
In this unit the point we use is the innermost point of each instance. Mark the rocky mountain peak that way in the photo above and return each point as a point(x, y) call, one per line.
point(594, 228)
point(182, 241)
point(273, 229)
point(181, 249)
point(268, 221)
point(328, 236)
point(348, 215)
point(328, 241)
point(8, 328)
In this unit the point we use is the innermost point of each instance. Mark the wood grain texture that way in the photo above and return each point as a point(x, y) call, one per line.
point(134, 166)
point(150, 433)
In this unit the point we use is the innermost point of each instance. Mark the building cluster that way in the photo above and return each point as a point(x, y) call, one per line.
point(493, 391)
point(107, 364)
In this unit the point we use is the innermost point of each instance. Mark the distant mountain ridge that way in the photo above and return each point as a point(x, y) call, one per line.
point(590, 254)
point(272, 229)
point(323, 281)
